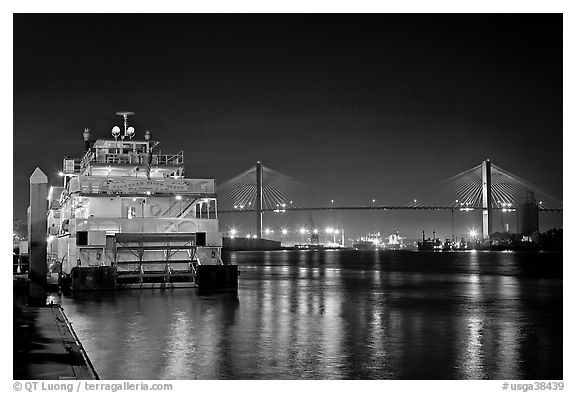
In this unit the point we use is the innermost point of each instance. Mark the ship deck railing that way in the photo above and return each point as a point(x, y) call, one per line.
point(133, 158)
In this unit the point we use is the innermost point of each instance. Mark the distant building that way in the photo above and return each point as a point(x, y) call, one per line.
point(528, 220)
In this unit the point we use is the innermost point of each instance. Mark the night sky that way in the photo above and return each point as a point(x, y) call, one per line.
point(360, 106)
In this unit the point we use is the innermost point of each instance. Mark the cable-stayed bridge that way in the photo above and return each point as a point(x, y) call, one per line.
point(486, 187)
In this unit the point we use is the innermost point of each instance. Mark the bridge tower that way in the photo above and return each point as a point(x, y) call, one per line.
point(259, 200)
point(486, 199)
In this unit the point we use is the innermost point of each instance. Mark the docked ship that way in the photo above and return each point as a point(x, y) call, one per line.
point(434, 244)
point(370, 241)
point(126, 216)
point(395, 242)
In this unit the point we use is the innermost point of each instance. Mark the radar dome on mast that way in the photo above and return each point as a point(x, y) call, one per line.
point(115, 132)
point(128, 131)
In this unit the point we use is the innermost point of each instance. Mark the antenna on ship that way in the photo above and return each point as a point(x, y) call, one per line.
point(128, 131)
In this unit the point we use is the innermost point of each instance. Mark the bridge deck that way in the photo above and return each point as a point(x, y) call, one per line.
point(372, 208)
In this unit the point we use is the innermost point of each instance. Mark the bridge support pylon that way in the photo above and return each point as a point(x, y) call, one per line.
point(259, 200)
point(486, 200)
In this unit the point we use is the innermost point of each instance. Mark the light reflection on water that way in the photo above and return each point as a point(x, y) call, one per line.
point(339, 315)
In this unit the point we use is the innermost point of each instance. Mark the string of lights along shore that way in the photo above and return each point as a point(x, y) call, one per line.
point(487, 188)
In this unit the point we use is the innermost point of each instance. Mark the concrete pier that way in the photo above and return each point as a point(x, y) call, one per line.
point(46, 346)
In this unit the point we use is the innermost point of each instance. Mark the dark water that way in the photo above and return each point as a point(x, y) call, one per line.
point(339, 315)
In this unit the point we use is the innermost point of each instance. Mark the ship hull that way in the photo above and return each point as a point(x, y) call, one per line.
point(364, 246)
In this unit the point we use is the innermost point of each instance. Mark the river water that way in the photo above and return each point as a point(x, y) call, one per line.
point(339, 314)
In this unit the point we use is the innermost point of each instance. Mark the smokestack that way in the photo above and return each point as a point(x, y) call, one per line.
point(423, 236)
point(86, 139)
point(147, 137)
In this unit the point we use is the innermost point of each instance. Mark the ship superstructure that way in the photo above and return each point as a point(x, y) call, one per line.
point(395, 241)
point(127, 206)
point(369, 241)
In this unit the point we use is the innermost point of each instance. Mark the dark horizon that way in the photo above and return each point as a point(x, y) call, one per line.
point(360, 106)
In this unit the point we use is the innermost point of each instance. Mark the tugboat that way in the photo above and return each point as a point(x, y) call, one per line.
point(127, 217)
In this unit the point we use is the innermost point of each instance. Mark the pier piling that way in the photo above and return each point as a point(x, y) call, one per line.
point(37, 237)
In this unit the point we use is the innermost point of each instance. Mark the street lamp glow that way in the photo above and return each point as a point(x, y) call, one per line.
point(302, 231)
point(179, 197)
point(284, 231)
point(315, 231)
point(233, 232)
point(267, 231)
point(60, 173)
point(473, 233)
